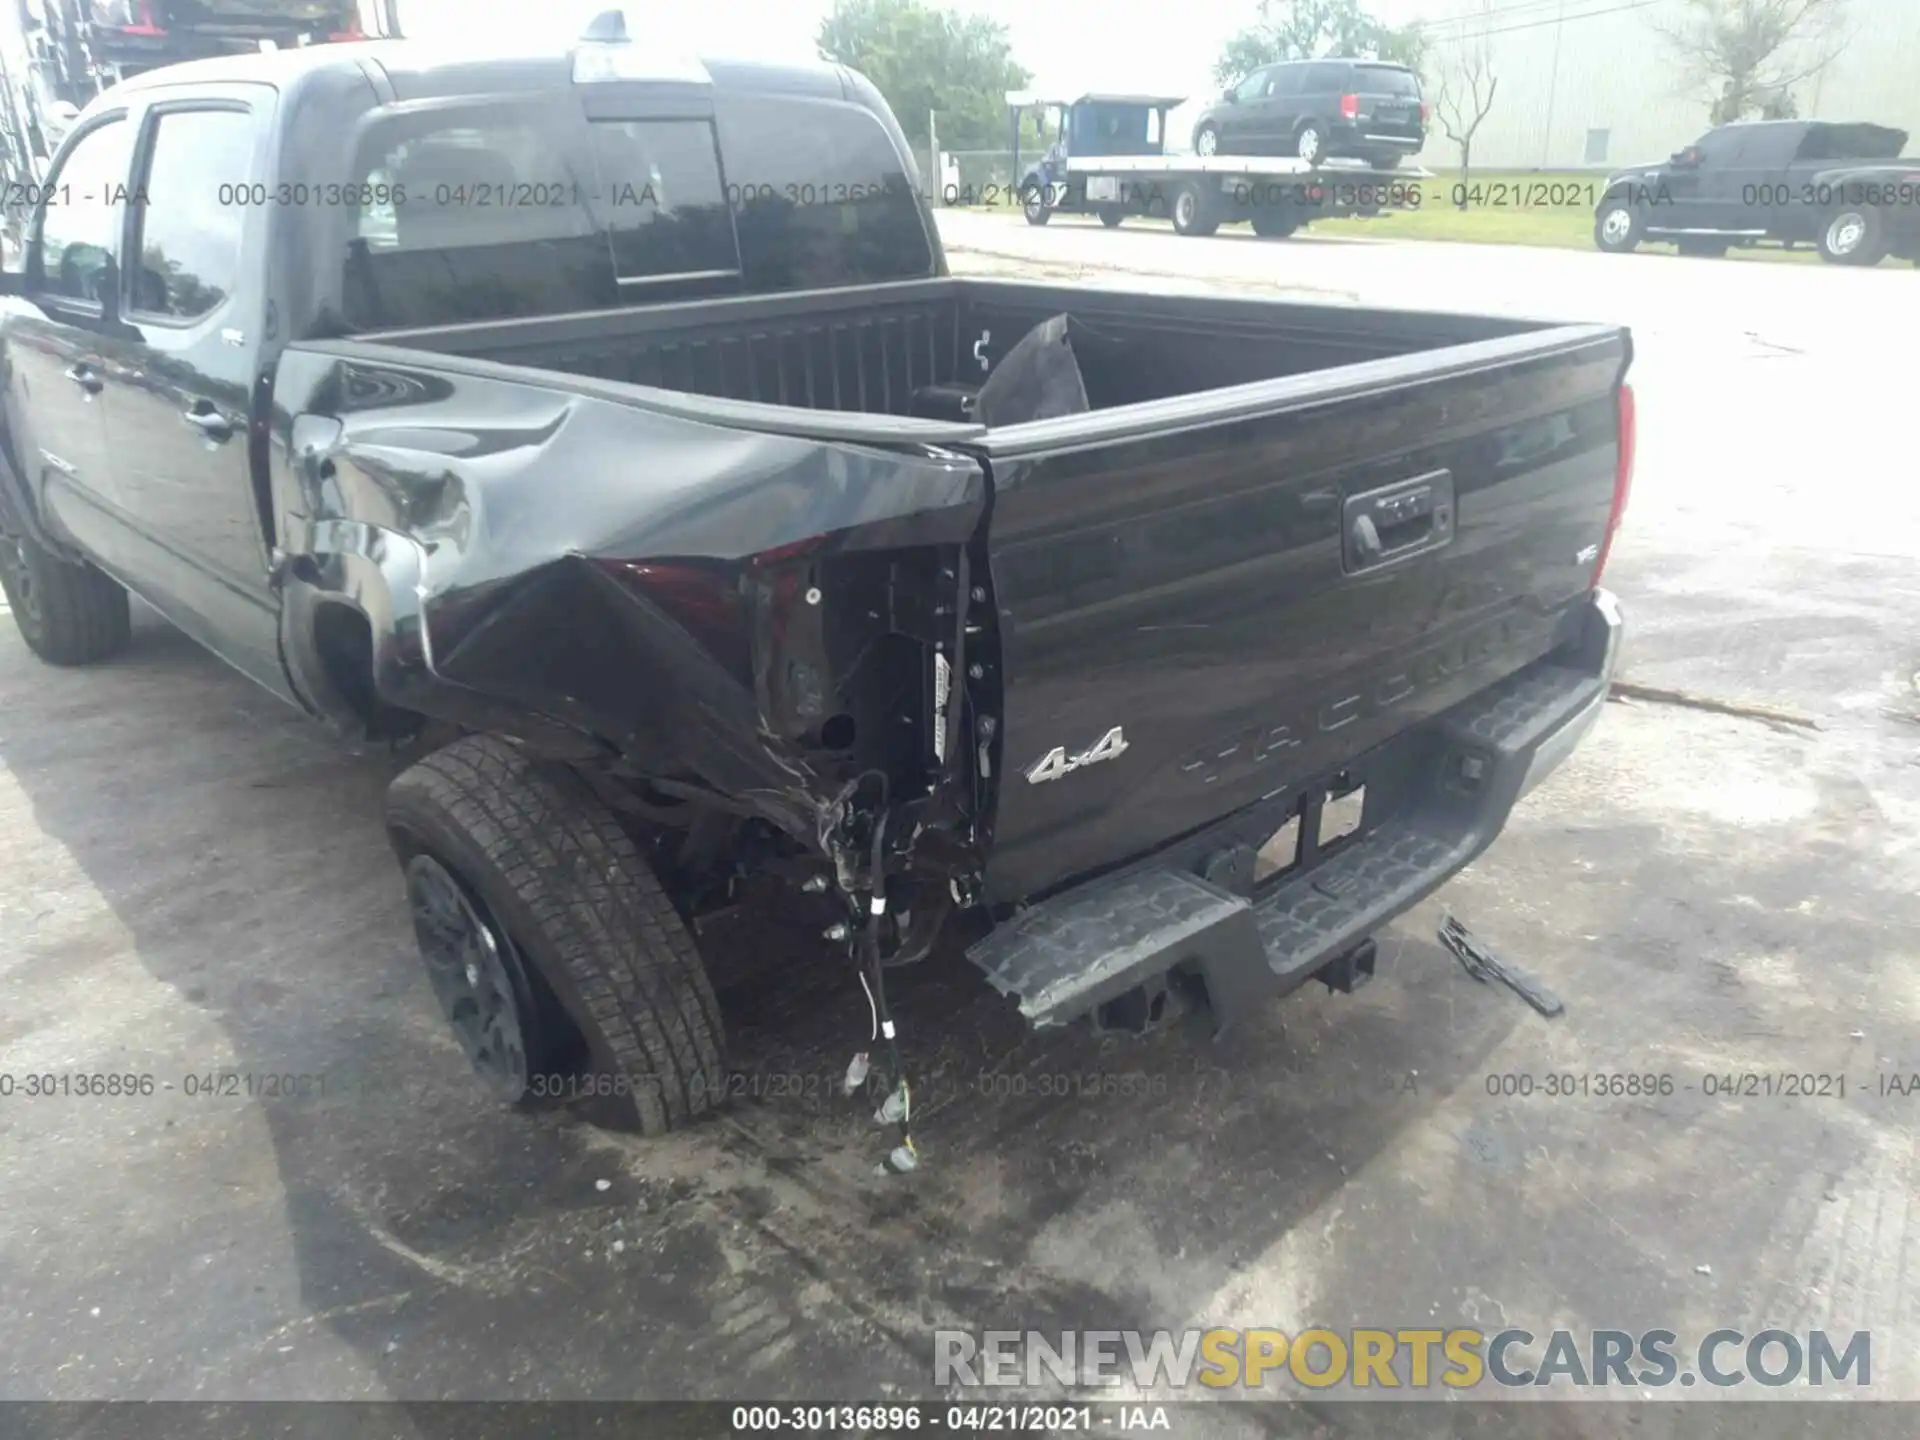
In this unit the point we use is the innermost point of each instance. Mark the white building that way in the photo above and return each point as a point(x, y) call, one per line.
point(1595, 83)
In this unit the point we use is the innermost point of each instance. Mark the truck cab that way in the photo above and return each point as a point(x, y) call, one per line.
point(1094, 127)
point(1843, 189)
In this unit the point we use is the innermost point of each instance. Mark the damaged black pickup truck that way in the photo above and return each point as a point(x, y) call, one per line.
point(628, 428)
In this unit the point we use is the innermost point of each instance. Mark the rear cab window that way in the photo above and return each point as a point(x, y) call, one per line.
point(502, 207)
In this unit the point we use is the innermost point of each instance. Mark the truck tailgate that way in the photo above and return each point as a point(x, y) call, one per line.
point(1210, 599)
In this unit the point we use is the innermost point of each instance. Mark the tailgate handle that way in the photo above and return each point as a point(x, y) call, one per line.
point(1396, 521)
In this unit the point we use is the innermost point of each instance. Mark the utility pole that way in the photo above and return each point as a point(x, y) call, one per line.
point(1553, 85)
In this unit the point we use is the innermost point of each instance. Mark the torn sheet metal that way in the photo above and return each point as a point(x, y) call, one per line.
point(689, 600)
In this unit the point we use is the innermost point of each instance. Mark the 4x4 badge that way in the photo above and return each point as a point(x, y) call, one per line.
point(1056, 762)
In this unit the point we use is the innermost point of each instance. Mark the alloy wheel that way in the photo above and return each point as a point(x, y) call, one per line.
point(473, 970)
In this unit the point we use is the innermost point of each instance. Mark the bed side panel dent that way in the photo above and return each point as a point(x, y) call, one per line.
point(531, 558)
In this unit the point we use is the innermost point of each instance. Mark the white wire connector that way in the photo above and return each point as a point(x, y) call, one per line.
point(886, 1029)
point(895, 1108)
point(856, 1073)
point(873, 1010)
point(879, 905)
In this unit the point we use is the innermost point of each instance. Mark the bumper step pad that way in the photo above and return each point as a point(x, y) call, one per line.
point(1065, 956)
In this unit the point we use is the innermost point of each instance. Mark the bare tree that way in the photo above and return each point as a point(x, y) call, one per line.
point(1749, 54)
point(1467, 85)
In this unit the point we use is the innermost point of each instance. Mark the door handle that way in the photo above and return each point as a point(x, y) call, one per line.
point(83, 376)
point(210, 423)
point(1398, 520)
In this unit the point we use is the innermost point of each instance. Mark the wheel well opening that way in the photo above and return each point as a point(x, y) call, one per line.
point(343, 641)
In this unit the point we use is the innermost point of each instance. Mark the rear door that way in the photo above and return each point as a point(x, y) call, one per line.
point(1188, 609)
point(1737, 192)
point(1249, 118)
point(180, 395)
point(55, 371)
point(1322, 83)
point(1283, 110)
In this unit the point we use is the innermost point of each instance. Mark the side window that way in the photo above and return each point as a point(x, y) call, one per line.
point(662, 199)
point(189, 241)
point(79, 233)
point(1719, 147)
point(1325, 77)
point(1287, 80)
point(1254, 86)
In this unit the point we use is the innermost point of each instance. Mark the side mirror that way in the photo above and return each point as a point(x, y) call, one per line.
point(1232, 97)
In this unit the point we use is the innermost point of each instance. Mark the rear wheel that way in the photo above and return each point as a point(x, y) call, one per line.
point(1111, 216)
point(1033, 204)
point(1193, 210)
point(1310, 142)
point(1206, 140)
point(1854, 235)
point(68, 613)
point(1273, 225)
point(557, 958)
point(1618, 228)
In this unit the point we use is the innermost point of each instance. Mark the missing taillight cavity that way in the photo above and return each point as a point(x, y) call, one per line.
point(1340, 816)
point(1628, 437)
point(1280, 853)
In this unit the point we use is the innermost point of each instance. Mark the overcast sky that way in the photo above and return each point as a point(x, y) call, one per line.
point(1070, 45)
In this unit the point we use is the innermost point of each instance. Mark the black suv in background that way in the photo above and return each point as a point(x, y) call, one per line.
point(1841, 188)
point(1319, 109)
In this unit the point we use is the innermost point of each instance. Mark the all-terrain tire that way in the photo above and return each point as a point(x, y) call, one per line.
point(548, 858)
point(68, 613)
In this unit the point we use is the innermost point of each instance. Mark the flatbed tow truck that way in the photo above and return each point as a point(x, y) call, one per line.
point(1110, 160)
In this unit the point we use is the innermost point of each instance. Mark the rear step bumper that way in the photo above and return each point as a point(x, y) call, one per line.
point(1437, 797)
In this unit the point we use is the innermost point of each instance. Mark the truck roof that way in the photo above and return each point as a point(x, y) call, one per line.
point(422, 70)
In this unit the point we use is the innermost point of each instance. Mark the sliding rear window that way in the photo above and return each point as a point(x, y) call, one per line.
point(498, 207)
point(505, 208)
point(821, 195)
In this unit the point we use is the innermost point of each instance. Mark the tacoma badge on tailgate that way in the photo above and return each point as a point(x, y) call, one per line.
point(1056, 762)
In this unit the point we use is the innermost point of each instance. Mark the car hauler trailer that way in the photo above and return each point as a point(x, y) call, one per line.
point(1109, 159)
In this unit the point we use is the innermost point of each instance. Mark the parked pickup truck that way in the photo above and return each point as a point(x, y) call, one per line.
point(627, 426)
point(1841, 188)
